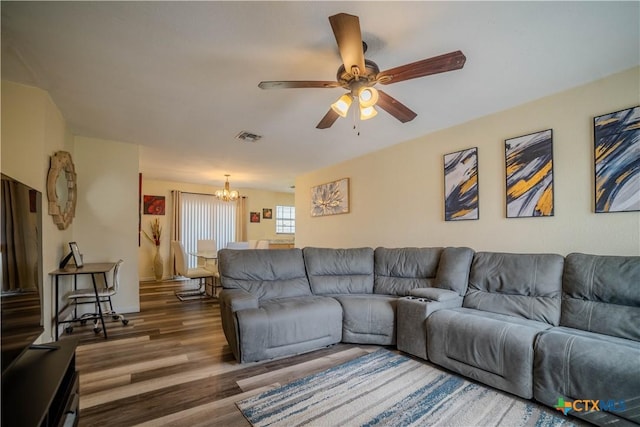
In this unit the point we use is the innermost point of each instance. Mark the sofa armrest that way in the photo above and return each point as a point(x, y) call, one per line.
point(435, 294)
point(413, 312)
point(237, 299)
point(231, 301)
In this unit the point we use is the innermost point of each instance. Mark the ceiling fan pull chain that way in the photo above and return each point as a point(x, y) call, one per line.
point(356, 123)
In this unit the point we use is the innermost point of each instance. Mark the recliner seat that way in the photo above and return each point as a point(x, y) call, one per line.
point(510, 299)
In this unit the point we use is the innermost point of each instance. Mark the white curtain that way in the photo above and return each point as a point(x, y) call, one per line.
point(204, 217)
point(241, 219)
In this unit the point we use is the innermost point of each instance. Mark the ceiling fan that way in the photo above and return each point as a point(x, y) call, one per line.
point(359, 75)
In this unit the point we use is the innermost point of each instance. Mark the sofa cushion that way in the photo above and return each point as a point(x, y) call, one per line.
point(602, 294)
point(263, 273)
point(453, 269)
point(523, 285)
point(399, 270)
point(493, 348)
point(368, 319)
point(575, 364)
point(339, 271)
point(288, 326)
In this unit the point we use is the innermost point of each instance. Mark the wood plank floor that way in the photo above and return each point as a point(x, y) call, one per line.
point(172, 366)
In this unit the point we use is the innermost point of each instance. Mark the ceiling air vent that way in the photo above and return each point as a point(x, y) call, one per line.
point(248, 136)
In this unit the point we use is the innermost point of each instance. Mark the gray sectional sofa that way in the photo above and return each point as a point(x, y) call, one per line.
point(539, 326)
point(282, 302)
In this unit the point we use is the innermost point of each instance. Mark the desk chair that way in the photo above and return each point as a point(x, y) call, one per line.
point(191, 273)
point(88, 296)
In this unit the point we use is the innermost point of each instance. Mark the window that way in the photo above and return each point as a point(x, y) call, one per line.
point(285, 219)
point(205, 217)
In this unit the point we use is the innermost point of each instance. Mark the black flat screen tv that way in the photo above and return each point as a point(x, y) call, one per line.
point(21, 274)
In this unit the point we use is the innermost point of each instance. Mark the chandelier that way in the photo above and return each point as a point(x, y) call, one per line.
point(227, 195)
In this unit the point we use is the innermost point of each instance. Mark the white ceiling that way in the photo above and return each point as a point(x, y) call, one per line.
point(181, 78)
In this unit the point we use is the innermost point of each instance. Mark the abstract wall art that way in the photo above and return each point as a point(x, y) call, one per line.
point(529, 174)
point(617, 161)
point(461, 185)
point(153, 205)
point(331, 198)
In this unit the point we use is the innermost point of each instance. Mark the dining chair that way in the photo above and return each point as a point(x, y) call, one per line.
point(199, 273)
point(207, 251)
point(238, 245)
point(262, 244)
point(207, 246)
point(253, 244)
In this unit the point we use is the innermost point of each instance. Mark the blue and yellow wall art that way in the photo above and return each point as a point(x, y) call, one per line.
point(461, 185)
point(617, 161)
point(529, 170)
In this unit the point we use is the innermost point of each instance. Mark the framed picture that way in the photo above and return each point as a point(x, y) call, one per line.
point(617, 161)
point(331, 198)
point(153, 205)
point(254, 216)
point(267, 213)
point(461, 185)
point(77, 257)
point(529, 173)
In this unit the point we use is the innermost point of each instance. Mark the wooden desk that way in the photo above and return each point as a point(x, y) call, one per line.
point(98, 268)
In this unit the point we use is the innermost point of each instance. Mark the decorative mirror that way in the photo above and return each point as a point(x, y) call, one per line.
point(61, 189)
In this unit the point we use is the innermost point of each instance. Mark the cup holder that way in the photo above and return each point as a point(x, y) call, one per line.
point(419, 299)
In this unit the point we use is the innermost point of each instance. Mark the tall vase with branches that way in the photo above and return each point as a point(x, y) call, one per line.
point(154, 237)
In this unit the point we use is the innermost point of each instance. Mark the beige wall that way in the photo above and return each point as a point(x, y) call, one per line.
point(397, 193)
point(266, 228)
point(106, 212)
point(106, 224)
point(256, 200)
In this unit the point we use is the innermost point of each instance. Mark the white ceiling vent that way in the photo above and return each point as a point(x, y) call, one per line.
point(248, 136)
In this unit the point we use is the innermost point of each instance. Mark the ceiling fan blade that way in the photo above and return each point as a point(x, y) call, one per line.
point(328, 119)
point(395, 108)
point(346, 29)
point(297, 84)
point(438, 64)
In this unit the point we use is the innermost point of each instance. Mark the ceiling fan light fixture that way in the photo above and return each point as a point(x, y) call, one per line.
point(367, 112)
point(341, 106)
point(367, 96)
point(227, 195)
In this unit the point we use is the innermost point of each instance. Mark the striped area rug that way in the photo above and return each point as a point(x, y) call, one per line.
point(387, 389)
